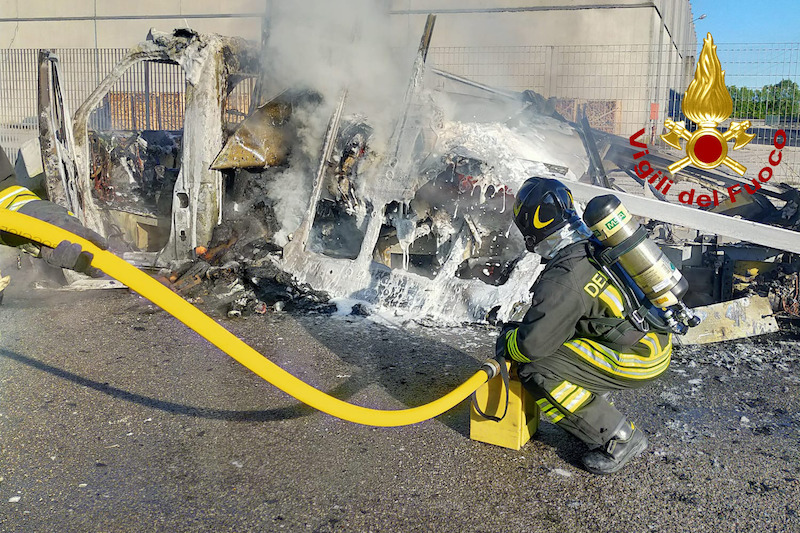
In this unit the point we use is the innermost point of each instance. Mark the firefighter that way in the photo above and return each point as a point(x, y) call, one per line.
point(66, 255)
point(575, 345)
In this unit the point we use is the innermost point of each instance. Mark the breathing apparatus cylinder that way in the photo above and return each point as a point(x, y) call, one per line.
point(626, 242)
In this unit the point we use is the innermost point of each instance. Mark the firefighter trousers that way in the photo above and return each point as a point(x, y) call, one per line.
point(569, 386)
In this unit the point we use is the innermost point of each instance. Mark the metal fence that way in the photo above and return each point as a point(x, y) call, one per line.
point(18, 122)
point(614, 84)
point(622, 89)
point(149, 95)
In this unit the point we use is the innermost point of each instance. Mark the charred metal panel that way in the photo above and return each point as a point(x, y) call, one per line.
point(55, 137)
point(736, 319)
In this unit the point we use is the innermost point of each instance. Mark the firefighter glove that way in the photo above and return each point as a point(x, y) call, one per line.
point(66, 254)
point(70, 255)
point(500, 346)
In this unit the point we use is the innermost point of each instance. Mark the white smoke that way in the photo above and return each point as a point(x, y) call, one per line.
point(291, 189)
point(328, 47)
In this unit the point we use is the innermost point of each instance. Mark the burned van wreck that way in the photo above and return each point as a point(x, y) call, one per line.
point(255, 202)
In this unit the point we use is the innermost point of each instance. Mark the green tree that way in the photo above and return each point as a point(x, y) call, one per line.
point(745, 102)
point(780, 100)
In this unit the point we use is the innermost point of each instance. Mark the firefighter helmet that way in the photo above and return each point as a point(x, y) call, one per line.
point(542, 207)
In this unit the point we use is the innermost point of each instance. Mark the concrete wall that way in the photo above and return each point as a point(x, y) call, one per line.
point(630, 53)
point(119, 23)
point(635, 51)
point(123, 23)
point(548, 22)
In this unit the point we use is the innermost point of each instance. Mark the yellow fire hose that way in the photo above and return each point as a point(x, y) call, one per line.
point(133, 278)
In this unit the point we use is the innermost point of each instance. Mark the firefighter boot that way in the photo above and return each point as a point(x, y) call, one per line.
point(627, 443)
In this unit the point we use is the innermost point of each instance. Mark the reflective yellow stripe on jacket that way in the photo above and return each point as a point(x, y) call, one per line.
point(14, 197)
point(513, 349)
point(613, 299)
point(568, 396)
point(549, 410)
point(627, 365)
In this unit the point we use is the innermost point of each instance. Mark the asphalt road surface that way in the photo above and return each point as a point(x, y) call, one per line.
point(114, 417)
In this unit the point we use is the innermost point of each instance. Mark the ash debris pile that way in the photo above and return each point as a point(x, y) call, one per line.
point(778, 281)
point(239, 275)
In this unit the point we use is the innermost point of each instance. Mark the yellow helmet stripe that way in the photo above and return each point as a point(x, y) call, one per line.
point(537, 223)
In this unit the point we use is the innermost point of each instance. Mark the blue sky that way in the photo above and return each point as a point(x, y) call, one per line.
point(752, 39)
point(742, 21)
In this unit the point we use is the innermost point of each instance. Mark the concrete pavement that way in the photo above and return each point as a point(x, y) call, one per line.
point(115, 417)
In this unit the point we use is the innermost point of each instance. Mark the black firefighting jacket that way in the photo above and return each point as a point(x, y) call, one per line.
point(7, 175)
point(571, 298)
point(12, 195)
